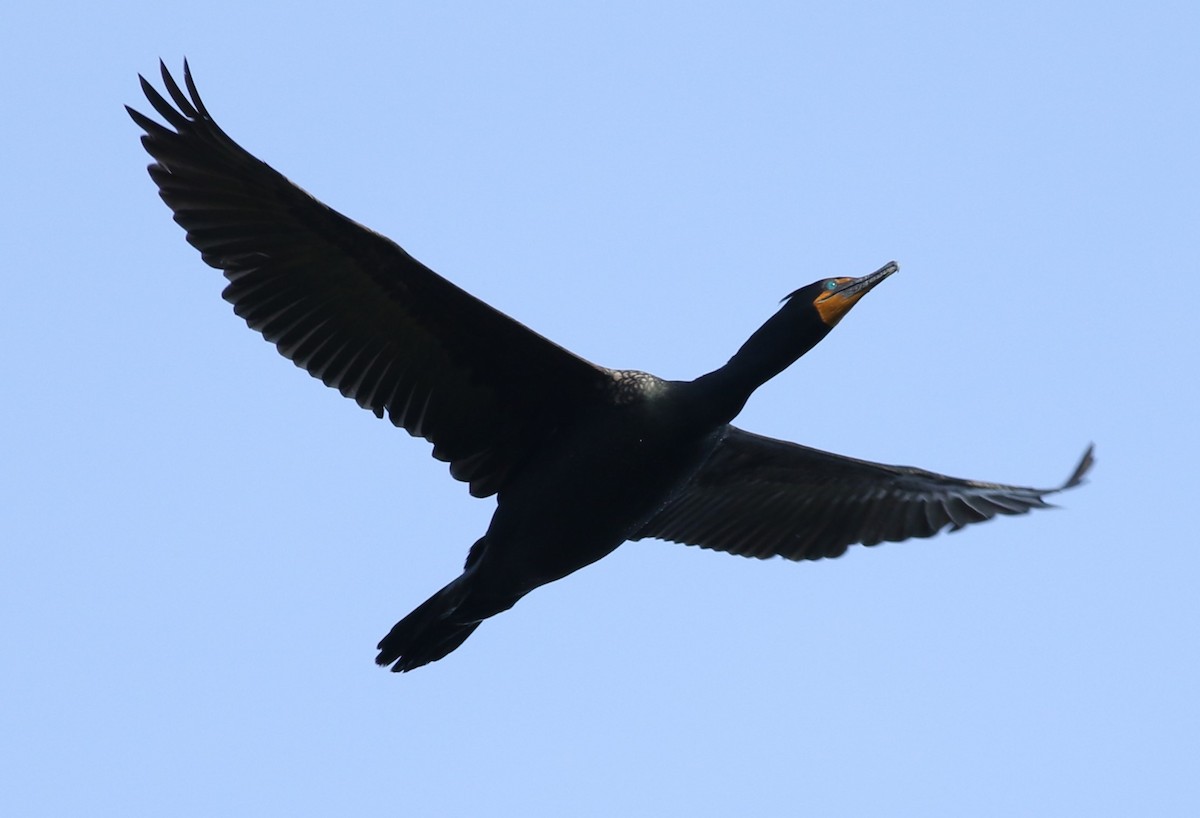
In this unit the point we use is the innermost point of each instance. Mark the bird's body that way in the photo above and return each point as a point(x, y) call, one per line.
point(635, 453)
point(581, 458)
point(548, 523)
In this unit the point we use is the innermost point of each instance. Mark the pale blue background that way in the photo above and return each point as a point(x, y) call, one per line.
point(201, 545)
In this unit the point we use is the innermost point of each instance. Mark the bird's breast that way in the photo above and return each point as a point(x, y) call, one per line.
point(592, 488)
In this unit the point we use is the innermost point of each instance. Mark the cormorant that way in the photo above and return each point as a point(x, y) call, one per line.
point(581, 458)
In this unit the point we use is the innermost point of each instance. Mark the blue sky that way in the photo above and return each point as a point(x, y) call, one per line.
point(201, 545)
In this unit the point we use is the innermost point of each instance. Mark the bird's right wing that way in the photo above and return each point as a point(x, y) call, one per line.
point(761, 497)
point(357, 311)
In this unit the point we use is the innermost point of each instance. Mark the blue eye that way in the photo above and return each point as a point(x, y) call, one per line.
point(831, 285)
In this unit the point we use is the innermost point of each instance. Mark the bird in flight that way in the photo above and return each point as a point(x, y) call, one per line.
point(580, 458)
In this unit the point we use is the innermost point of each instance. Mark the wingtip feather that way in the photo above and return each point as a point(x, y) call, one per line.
point(1085, 465)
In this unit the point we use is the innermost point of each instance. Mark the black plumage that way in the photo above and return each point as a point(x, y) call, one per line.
point(581, 458)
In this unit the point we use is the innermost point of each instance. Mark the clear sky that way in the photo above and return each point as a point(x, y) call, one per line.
point(200, 545)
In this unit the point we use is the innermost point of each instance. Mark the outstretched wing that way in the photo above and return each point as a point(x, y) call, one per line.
point(761, 497)
point(357, 311)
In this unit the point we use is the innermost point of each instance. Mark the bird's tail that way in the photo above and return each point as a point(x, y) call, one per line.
point(428, 633)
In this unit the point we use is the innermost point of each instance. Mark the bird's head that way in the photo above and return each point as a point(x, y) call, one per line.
point(806, 317)
point(832, 298)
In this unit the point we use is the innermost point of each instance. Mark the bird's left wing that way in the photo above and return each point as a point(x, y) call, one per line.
point(356, 310)
point(761, 497)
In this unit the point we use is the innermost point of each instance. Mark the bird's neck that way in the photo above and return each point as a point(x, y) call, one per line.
point(771, 349)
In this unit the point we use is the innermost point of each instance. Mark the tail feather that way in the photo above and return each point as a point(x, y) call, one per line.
point(427, 634)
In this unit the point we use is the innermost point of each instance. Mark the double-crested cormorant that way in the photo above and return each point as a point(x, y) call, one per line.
point(581, 458)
